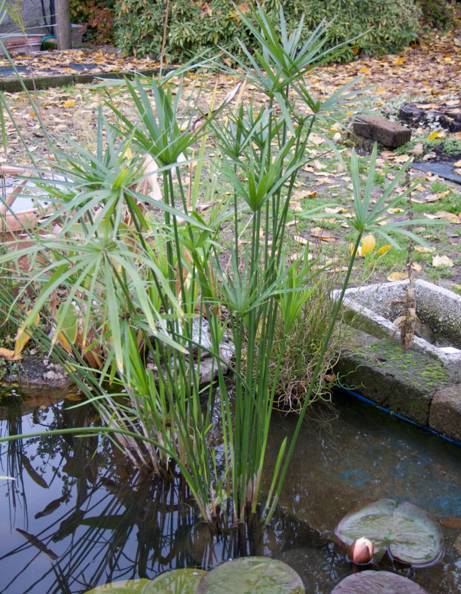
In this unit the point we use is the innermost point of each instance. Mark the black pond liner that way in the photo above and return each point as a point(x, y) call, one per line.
point(398, 415)
point(441, 168)
point(8, 71)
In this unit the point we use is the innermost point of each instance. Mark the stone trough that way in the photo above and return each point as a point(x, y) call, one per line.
point(423, 383)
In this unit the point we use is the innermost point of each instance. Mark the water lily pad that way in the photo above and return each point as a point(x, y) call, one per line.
point(404, 530)
point(377, 582)
point(258, 575)
point(123, 587)
point(179, 581)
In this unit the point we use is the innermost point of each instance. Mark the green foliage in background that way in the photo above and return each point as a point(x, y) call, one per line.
point(98, 15)
point(438, 13)
point(198, 25)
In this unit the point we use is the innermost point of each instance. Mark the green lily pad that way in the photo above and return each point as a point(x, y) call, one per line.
point(258, 575)
point(178, 581)
point(377, 582)
point(403, 530)
point(123, 587)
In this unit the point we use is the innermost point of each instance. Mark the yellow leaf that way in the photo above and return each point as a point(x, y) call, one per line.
point(69, 103)
point(397, 276)
point(400, 60)
point(367, 245)
point(22, 338)
point(9, 355)
point(384, 249)
point(434, 135)
point(64, 342)
point(128, 153)
point(364, 70)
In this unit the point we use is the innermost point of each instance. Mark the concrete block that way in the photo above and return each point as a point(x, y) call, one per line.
point(445, 411)
point(373, 309)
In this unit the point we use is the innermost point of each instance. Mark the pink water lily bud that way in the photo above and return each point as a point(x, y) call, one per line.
point(361, 551)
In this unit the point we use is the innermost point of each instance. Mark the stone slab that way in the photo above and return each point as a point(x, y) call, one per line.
point(403, 381)
point(445, 411)
point(379, 129)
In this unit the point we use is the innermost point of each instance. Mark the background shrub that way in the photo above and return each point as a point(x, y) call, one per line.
point(196, 25)
point(437, 13)
point(98, 15)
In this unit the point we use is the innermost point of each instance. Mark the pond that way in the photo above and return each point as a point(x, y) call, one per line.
point(77, 515)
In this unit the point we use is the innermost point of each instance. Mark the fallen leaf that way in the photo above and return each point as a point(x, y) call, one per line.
point(448, 216)
point(9, 355)
point(442, 262)
point(423, 250)
point(384, 249)
point(397, 276)
point(300, 239)
point(367, 245)
point(335, 210)
point(322, 234)
point(69, 103)
point(435, 135)
point(401, 158)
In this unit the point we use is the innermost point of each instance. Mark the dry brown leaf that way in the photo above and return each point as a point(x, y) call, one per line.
point(322, 234)
point(442, 262)
point(300, 239)
point(397, 276)
point(448, 216)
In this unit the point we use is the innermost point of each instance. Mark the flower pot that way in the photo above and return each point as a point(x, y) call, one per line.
point(23, 44)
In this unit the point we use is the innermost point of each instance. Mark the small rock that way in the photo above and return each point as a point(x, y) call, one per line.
point(380, 129)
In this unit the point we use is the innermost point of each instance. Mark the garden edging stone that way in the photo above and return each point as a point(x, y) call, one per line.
point(409, 383)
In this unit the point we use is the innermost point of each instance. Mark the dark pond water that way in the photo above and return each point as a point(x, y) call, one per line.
point(77, 515)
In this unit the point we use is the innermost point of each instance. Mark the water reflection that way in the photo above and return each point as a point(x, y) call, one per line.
point(78, 514)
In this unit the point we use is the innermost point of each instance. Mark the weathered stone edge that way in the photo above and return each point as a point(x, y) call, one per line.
point(38, 83)
point(375, 383)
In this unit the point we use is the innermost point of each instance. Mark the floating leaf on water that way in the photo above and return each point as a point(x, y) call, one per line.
point(377, 582)
point(403, 530)
point(178, 581)
point(123, 587)
point(258, 575)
